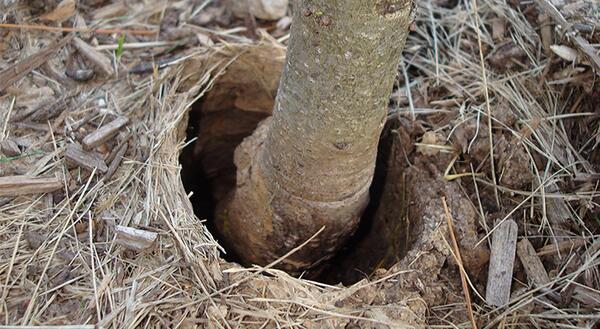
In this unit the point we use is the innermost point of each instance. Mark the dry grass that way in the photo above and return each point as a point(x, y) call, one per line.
point(59, 263)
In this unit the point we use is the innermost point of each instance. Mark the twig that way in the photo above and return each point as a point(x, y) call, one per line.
point(460, 264)
point(73, 29)
point(7, 119)
point(138, 45)
point(408, 92)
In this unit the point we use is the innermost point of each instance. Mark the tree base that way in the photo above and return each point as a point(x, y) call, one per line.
point(263, 222)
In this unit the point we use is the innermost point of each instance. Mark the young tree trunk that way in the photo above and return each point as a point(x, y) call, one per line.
point(311, 165)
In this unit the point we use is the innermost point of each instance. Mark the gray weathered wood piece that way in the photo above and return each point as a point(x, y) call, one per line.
point(502, 260)
point(531, 262)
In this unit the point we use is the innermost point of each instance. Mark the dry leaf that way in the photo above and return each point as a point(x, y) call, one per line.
point(62, 12)
point(564, 52)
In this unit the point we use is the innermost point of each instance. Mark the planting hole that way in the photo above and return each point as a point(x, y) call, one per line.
point(242, 97)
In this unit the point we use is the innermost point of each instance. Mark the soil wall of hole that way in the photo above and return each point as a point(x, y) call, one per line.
point(403, 219)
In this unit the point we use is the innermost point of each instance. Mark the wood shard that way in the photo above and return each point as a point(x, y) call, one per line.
point(561, 247)
point(502, 260)
point(98, 59)
point(531, 262)
point(135, 239)
point(77, 156)
point(9, 148)
point(587, 296)
point(116, 161)
point(22, 185)
point(103, 134)
point(47, 112)
point(557, 209)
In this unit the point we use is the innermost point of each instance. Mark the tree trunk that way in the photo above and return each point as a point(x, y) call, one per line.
point(311, 164)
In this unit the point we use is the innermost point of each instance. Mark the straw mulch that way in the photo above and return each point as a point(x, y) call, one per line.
point(65, 260)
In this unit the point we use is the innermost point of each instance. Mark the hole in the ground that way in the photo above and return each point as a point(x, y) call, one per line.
point(230, 112)
point(364, 253)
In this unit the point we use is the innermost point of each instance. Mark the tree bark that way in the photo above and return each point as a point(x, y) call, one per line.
point(311, 165)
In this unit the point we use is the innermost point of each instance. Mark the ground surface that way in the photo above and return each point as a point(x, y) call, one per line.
point(67, 256)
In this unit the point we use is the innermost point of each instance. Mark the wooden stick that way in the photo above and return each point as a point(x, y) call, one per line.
point(563, 246)
point(459, 261)
point(134, 238)
point(21, 185)
point(71, 29)
point(502, 261)
point(114, 165)
point(97, 58)
point(104, 133)
point(531, 262)
point(89, 160)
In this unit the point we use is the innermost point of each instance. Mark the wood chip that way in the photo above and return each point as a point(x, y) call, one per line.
point(22, 185)
point(546, 32)
point(63, 11)
point(77, 156)
point(587, 296)
point(124, 139)
point(502, 260)
point(51, 69)
point(557, 209)
point(114, 165)
point(97, 58)
point(531, 262)
point(103, 134)
point(561, 247)
point(49, 205)
point(14, 73)
point(31, 125)
point(135, 239)
point(9, 148)
point(48, 112)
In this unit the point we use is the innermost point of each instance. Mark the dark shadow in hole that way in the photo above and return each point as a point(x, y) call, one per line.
point(194, 177)
point(337, 270)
